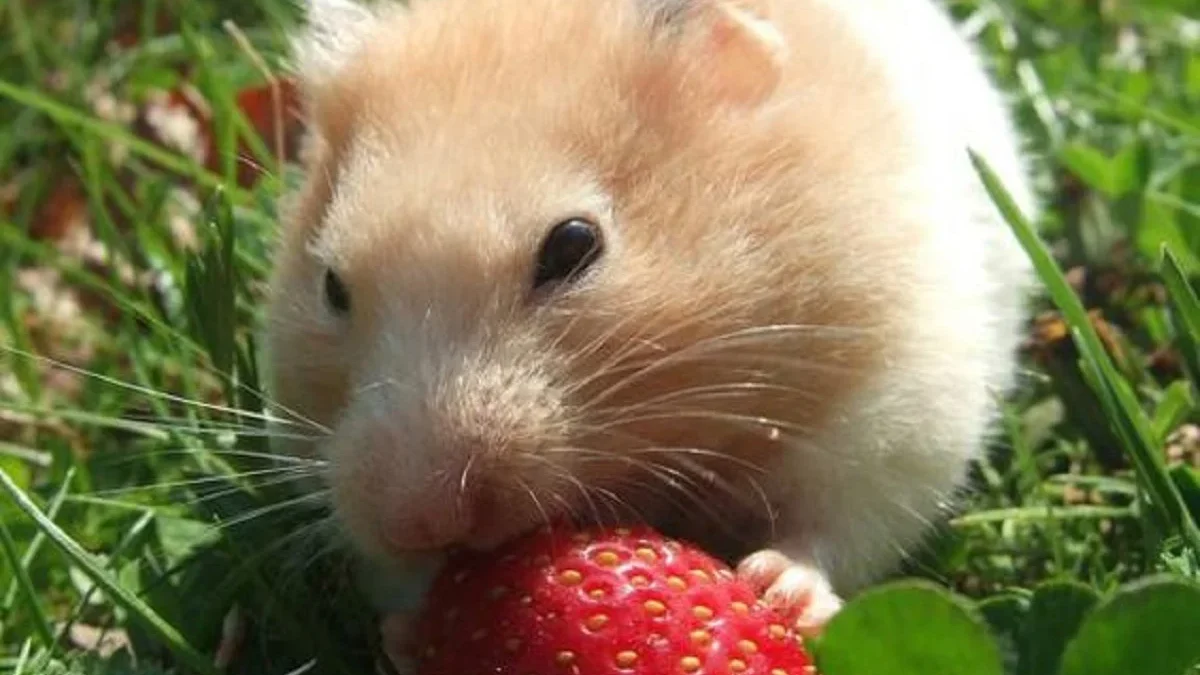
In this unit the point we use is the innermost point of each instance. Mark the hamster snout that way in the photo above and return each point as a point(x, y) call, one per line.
point(708, 264)
point(437, 455)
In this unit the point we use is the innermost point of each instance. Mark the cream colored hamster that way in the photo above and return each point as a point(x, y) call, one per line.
point(721, 265)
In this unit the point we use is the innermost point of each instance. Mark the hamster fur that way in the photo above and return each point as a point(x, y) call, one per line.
point(801, 322)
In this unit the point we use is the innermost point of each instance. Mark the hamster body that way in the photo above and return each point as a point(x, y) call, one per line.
point(722, 266)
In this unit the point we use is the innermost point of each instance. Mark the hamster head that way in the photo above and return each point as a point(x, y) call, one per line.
point(560, 259)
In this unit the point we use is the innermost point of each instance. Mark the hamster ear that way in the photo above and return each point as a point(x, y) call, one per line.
point(736, 52)
point(334, 30)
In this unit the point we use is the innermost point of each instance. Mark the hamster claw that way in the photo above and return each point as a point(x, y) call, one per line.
point(799, 590)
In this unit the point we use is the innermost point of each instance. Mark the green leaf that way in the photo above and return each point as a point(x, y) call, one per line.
point(1150, 627)
point(1089, 165)
point(1160, 225)
point(143, 613)
point(1131, 168)
point(903, 628)
point(1055, 614)
point(1114, 176)
point(1006, 615)
point(180, 537)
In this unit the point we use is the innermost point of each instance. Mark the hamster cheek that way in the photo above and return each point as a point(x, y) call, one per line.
point(360, 481)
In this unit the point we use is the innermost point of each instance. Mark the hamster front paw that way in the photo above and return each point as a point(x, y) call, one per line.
point(799, 590)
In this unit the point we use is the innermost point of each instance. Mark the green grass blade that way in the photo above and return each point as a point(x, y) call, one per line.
point(136, 530)
point(1138, 111)
point(1042, 513)
point(23, 657)
point(11, 238)
point(138, 609)
point(144, 429)
point(30, 456)
point(67, 115)
point(1187, 311)
point(24, 39)
point(40, 538)
point(25, 584)
point(1176, 404)
point(1126, 417)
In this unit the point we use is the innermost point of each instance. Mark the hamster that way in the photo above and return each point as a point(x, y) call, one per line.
point(722, 266)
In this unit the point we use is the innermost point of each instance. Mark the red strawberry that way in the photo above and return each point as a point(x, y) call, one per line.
point(599, 602)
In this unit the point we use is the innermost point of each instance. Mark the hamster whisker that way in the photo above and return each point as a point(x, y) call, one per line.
point(317, 530)
point(148, 426)
point(275, 508)
point(537, 503)
point(703, 452)
point(379, 384)
point(731, 390)
point(643, 446)
point(612, 499)
point(299, 472)
point(707, 347)
point(574, 481)
point(632, 344)
point(695, 493)
point(567, 507)
point(198, 431)
point(563, 472)
point(258, 485)
point(783, 361)
point(566, 330)
point(185, 421)
point(615, 502)
point(719, 481)
point(766, 424)
point(331, 546)
point(146, 391)
point(675, 478)
point(643, 488)
point(787, 432)
point(586, 492)
point(463, 479)
point(598, 343)
point(199, 452)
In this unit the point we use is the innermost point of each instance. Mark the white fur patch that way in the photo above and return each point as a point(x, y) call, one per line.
point(335, 30)
point(896, 454)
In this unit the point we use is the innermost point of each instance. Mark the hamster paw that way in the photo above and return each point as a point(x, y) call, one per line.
point(800, 591)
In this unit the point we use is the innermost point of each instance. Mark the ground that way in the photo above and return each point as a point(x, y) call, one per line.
point(129, 296)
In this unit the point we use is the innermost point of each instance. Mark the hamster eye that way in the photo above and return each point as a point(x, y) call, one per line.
point(336, 294)
point(568, 250)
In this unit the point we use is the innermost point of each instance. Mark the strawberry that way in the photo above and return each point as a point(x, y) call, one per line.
point(599, 602)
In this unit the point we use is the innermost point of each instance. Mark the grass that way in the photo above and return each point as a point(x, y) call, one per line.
point(139, 510)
